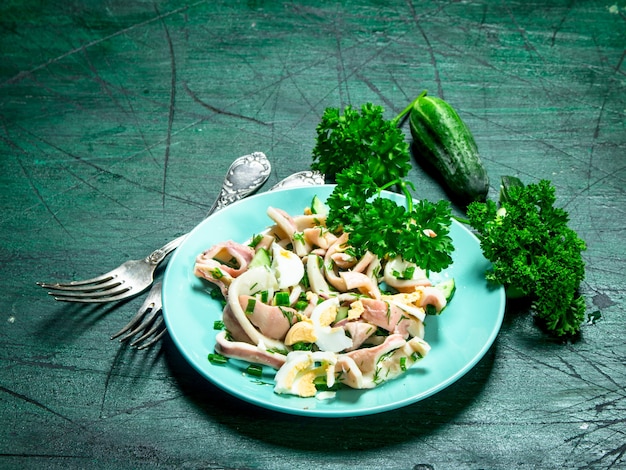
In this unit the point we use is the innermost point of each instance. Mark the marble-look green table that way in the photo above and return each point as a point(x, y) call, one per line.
point(118, 121)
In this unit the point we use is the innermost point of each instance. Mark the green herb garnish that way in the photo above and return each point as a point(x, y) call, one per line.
point(255, 369)
point(281, 299)
point(366, 154)
point(250, 306)
point(361, 137)
point(534, 252)
point(217, 359)
point(419, 231)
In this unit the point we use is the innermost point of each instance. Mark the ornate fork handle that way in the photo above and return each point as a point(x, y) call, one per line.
point(238, 183)
point(157, 256)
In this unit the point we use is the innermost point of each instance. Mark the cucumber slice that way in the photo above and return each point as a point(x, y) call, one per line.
point(342, 312)
point(260, 258)
point(447, 287)
point(318, 207)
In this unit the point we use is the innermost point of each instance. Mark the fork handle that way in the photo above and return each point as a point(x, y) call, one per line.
point(157, 256)
point(245, 175)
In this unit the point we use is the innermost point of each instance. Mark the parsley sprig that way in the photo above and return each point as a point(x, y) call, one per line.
point(365, 154)
point(418, 231)
point(534, 252)
point(364, 137)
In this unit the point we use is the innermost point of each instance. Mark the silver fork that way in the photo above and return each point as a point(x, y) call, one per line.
point(149, 319)
point(245, 175)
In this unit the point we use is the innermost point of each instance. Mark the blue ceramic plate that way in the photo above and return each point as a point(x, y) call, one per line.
point(459, 337)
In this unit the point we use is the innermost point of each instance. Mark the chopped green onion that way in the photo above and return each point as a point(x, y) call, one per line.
point(281, 299)
point(218, 325)
point(255, 369)
point(407, 274)
point(302, 346)
point(250, 306)
point(255, 240)
point(301, 305)
point(403, 363)
point(217, 359)
point(322, 385)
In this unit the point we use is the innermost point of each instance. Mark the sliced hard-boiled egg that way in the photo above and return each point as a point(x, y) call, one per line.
point(302, 331)
point(412, 310)
point(297, 375)
point(331, 339)
point(253, 281)
point(356, 309)
point(287, 267)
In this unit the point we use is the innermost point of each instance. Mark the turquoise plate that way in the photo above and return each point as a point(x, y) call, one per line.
point(459, 337)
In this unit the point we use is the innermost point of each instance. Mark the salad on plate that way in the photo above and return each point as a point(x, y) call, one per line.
point(299, 298)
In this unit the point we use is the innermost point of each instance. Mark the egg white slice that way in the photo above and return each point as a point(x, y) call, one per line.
point(328, 338)
point(287, 267)
point(297, 375)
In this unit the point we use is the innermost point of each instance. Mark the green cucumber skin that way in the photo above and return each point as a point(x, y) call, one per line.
point(446, 143)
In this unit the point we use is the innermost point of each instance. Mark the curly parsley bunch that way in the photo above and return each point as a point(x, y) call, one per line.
point(364, 137)
point(365, 154)
point(534, 252)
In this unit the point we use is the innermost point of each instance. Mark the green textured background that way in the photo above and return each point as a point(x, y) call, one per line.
point(118, 121)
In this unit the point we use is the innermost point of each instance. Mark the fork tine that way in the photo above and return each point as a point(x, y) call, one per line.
point(147, 344)
point(158, 321)
point(84, 287)
point(127, 270)
point(133, 321)
point(72, 284)
point(97, 297)
point(146, 317)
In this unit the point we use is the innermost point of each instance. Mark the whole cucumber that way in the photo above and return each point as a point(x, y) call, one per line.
point(444, 142)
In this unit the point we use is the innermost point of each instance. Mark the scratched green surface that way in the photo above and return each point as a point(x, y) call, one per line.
point(117, 122)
